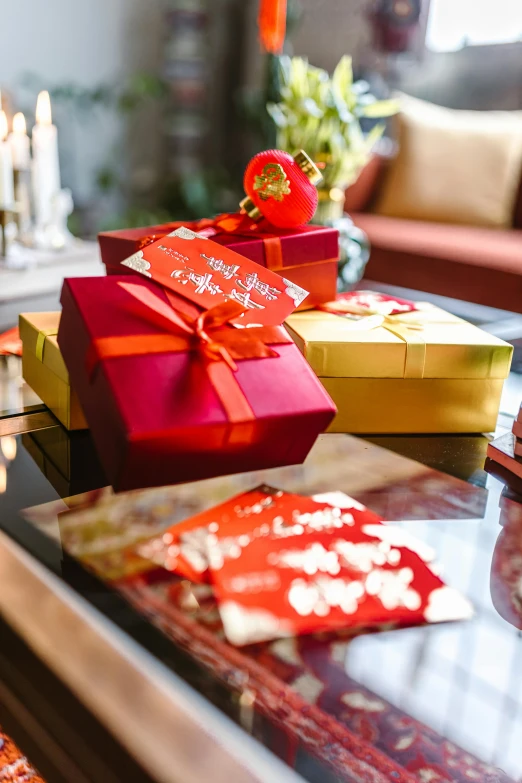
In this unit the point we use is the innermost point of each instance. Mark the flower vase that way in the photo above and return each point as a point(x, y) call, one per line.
point(354, 247)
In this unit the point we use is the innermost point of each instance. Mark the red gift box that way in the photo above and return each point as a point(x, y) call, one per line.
point(307, 256)
point(156, 415)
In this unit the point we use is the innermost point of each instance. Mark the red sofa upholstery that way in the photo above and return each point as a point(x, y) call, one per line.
point(480, 265)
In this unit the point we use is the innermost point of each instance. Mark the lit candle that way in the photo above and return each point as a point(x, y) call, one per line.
point(46, 169)
point(6, 167)
point(19, 141)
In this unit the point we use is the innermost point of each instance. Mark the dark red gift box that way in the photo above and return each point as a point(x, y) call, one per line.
point(156, 417)
point(307, 256)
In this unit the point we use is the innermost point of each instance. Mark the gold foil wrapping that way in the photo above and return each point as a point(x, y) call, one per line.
point(425, 371)
point(44, 370)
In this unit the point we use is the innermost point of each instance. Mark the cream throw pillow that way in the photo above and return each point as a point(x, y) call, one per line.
point(454, 166)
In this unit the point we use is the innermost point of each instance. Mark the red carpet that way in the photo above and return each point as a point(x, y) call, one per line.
point(14, 767)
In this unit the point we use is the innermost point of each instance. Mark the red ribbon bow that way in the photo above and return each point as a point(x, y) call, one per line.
point(235, 223)
point(210, 334)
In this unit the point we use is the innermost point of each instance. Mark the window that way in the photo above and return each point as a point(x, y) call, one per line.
point(453, 24)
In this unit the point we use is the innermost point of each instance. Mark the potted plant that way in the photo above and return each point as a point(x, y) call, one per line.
point(322, 114)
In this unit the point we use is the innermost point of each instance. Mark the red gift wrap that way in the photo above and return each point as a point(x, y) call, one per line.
point(173, 393)
point(307, 256)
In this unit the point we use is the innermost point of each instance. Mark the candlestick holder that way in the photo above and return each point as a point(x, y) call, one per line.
point(54, 235)
point(23, 202)
point(7, 215)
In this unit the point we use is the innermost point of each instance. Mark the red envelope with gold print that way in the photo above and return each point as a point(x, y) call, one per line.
point(263, 512)
point(209, 274)
point(367, 303)
point(363, 576)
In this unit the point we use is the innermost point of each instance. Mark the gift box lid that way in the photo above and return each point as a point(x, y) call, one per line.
point(38, 332)
point(426, 343)
point(304, 245)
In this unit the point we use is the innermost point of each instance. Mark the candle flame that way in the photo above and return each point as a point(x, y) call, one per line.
point(43, 109)
point(19, 125)
point(3, 126)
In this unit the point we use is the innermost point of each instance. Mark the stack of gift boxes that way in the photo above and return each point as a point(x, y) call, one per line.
point(179, 364)
point(221, 346)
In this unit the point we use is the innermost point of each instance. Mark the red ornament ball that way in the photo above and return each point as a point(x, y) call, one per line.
point(281, 188)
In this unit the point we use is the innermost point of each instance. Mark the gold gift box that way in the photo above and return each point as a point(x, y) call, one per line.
point(44, 370)
point(419, 372)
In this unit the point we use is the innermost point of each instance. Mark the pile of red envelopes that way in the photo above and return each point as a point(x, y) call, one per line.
point(283, 564)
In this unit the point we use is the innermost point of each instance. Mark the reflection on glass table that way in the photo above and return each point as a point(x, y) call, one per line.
point(16, 397)
point(426, 703)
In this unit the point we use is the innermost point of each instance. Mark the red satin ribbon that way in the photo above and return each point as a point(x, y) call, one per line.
point(208, 334)
point(234, 223)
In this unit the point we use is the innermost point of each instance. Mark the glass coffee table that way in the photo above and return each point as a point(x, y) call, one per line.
point(105, 677)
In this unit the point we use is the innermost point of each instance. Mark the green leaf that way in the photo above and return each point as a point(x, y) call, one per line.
point(360, 87)
point(299, 78)
point(379, 109)
point(147, 85)
point(310, 107)
point(106, 179)
point(373, 136)
point(285, 69)
point(342, 78)
point(341, 107)
point(278, 114)
point(366, 99)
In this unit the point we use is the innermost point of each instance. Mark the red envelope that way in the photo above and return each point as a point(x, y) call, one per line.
point(262, 512)
point(10, 342)
point(317, 582)
point(209, 274)
point(367, 303)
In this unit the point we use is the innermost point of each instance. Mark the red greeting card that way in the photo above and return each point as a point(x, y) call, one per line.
point(368, 303)
point(209, 274)
point(263, 512)
point(362, 577)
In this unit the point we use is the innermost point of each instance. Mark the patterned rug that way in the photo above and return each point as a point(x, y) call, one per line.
point(14, 766)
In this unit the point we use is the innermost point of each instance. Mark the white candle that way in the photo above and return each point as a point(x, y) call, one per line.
point(19, 141)
point(6, 167)
point(46, 169)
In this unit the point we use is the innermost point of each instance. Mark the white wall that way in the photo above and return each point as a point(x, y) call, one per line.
point(87, 42)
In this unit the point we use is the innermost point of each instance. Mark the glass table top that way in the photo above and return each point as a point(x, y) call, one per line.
point(426, 703)
point(16, 397)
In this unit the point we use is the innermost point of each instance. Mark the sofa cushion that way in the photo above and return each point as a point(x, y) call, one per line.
point(361, 194)
point(454, 166)
point(471, 263)
point(517, 216)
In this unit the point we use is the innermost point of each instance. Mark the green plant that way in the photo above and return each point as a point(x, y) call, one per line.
point(322, 114)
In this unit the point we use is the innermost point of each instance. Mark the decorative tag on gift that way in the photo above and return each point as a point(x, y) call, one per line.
point(262, 512)
point(209, 274)
point(360, 577)
point(362, 303)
